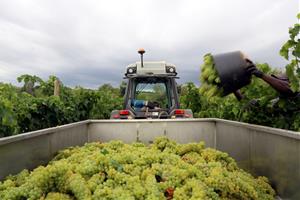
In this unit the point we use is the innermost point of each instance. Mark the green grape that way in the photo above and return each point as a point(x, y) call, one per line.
point(210, 79)
point(217, 80)
point(208, 59)
point(206, 73)
point(78, 186)
point(7, 184)
point(57, 196)
point(191, 147)
point(95, 180)
point(114, 170)
point(204, 87)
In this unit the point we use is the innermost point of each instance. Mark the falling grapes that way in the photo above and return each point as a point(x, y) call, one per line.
point(114, 170)
point(210, 80)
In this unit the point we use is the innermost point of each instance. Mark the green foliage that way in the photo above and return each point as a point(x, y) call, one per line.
point(106, 100)
point(29, 82)
point(190, 97)
point(292, 48)
point(23, 111)
point(47, 87)
point(114, 170)
point(8, 122)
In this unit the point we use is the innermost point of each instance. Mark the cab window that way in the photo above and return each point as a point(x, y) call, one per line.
point(154, 91)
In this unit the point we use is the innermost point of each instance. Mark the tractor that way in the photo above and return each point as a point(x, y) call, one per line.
point(151, 92)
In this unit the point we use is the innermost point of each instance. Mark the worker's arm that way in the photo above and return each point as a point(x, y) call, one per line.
point(238, 95)
point(282, 86)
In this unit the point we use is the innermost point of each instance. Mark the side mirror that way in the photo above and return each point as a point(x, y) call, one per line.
point(122, 91)
point(179, 89)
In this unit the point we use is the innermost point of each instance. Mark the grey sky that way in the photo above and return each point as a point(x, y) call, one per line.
point(89, 42)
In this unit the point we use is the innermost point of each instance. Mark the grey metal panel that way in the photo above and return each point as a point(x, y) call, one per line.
point(73, 136)
point(264, 151)
point(274, 131)
point(32, 134)
point(24, 154)
point(277, 158)
point(106, 131)
point(29, 150)
point(146, 131)
point(191, 131)
point(235, 141)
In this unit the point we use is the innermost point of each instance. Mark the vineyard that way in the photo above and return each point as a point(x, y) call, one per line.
point(233, 136)
point(35, 105)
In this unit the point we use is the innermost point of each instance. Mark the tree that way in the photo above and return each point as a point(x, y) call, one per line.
point(29, 82)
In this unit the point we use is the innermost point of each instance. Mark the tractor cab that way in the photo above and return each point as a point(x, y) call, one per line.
point(151, 92)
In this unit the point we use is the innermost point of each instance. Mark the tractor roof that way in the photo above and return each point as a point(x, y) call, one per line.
point(151, 68)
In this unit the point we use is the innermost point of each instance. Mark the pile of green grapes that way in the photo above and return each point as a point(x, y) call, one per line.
point(114, 170)
point(210, 80)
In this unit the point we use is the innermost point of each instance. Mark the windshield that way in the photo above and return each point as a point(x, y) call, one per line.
point(153, 91)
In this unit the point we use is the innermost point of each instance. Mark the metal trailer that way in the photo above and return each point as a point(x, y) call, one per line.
point(260, 150)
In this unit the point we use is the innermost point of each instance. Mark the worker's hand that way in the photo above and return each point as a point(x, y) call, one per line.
point(252, 69)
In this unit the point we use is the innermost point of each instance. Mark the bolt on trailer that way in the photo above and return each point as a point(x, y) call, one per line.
point(151, 93)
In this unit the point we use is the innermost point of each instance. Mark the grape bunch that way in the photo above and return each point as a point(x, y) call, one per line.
point(210, 80)
point(114, 170)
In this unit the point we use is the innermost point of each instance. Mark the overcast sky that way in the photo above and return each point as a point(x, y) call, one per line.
point(90, 42)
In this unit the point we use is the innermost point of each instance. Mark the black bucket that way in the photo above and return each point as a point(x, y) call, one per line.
point(231, 68)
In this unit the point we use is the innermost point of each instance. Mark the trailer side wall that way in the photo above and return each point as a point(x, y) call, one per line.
point(29, 150)
point(270, 152)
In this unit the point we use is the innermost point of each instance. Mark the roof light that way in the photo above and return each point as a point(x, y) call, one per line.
point(170, 69)
point(130, 70)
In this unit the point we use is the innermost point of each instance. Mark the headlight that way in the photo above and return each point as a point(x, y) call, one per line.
point(170, 69)
point(131, 70)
